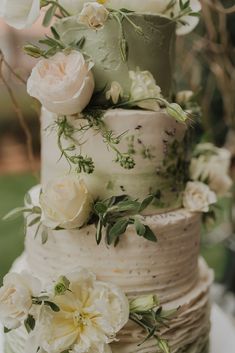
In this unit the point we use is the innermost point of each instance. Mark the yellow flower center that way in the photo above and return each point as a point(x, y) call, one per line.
point(102, 1)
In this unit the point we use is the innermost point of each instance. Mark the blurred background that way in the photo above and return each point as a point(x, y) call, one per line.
point(205, 63)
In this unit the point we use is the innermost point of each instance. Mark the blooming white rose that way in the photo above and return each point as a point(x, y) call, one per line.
point(212, 167)
point(66, 203)
point(143, 87)
point(198, 197)
point(63, 84)
point(93, 15)
point(20, 13)
point(115, 92)
point(91, 313)
point(16, 298)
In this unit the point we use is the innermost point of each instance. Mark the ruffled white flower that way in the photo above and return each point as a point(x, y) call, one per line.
point(91, 313)
point(93, 15)
point(64, 84)
point(198, 197)
point(212, 167)
point(16, 298)
point(20, 13)
point(66, 203)
point(115, 92)
point(143, 87)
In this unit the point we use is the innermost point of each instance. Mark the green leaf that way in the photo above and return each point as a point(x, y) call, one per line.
point(128, 205)
point(140, 227)
point(149, 235)
point(44, 236)
point(16, 213)
point(49, 15)
point(175, 110)
point(146, 202)
point(100, 208)
point(7, 330)
point(37, 230)
point(34, 221)
point(150, 335)
point(29, 323)
point(36, 209)
point(99, 232)
point(80, 43)
point(163, 345)
point(52, 305)
point(55, 33)
point(117, 229)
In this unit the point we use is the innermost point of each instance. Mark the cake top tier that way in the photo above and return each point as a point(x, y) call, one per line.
point(124, 44)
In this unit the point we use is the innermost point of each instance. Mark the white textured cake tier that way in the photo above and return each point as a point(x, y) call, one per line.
point(155, 141)
point(188, 332)
point(168, 267)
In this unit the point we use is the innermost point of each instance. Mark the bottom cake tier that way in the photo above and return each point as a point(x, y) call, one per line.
point(188, 332)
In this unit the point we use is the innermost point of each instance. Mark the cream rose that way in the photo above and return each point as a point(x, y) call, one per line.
point(115, 92)
point(93, 15)
point(16, 298)
point(66, 203)
point(64, 84)
point(212, 167)
point(198, 197)
point(91, 313)
point(20, 13)
point(143, 87)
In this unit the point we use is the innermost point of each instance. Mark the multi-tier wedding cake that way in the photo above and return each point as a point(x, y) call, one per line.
point(113, 231)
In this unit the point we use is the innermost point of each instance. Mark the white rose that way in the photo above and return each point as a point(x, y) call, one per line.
point(91, 313)
point(143, 303)
point(16, 298)
point(143, 87)
point(66, 203)
point(115, 92)
point(20, 13)
point(93, 15)
point(64, 84)
point(212, 166)
point(198, 197)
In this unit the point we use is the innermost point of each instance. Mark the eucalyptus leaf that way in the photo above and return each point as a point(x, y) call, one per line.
point(34, 221)
point(52, 305)
point(44, 236)
point(117, 229)
point(100, 208)
point(29, 323)
point(146, 202)
point(55, 33)
point(140, 227)
point(149, 235)
point(49, 15)
point(128, 205)
point(13, 214)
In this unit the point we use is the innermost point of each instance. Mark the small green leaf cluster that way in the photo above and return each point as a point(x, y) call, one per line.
point(152, 320)
point(52, 7)
point(115, 214)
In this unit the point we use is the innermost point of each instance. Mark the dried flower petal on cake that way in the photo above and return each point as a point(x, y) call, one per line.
point(66, 203)
point(20, 14)
point(16, 298)
point(198, 197)
point(93, 15)
point(91, 313)
point(63, 84)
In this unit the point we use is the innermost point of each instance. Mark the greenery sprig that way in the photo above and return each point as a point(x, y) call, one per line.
point(115, 214)
point(185, 10)
point(52, 7)
point(149, 314)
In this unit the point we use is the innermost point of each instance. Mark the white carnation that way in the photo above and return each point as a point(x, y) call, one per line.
point(143, 89)
point(198, 197)
point(66, 203)
point(20, 13)
point(64, 84)
point(93, 15)
point(16, 298)
point(91, 313)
